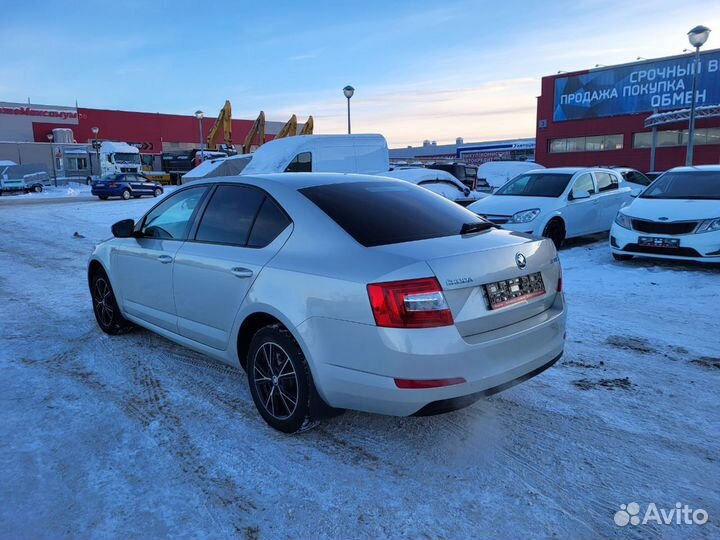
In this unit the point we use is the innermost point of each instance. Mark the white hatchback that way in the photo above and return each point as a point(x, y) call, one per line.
point(558, 203)
point(676, 217)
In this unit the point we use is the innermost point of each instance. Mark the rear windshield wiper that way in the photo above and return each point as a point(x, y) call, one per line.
point(477, 226)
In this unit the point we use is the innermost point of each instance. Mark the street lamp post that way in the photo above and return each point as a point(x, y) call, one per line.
point(348, 91)
point(199, 115)
point(96, 145)
point(697, 37)
point(52, 155)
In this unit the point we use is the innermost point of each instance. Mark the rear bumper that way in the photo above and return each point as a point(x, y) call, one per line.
point(354, 365)
point(703, 247)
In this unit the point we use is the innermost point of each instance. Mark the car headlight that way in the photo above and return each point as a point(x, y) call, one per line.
point(623, 220)
point(525, 216)
point(709, 225)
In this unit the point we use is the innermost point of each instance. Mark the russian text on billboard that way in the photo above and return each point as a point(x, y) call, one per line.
point(637, 88)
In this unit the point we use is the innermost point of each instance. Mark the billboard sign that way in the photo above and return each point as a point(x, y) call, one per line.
point(638, 88)
point(40, 113)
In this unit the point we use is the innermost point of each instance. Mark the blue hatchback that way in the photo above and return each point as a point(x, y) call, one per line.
point(125, 186)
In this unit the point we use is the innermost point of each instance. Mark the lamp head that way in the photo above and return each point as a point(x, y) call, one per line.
point(698, 36)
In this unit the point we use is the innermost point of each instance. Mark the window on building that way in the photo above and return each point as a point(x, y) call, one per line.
point(596, 143)
point(77, 163)
point(676, 137)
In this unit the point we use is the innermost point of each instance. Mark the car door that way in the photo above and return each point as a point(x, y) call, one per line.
point(137, 184)
point(240, 230)
point(142, 267)
point(581, 214)
point(610, 198)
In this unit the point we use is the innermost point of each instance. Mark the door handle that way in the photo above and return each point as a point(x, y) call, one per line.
point(241, 272)
point(165, 259)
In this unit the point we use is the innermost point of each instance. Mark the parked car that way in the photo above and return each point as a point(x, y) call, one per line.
point(632, 176)
point(125, 186)
point(495, 174)
point(438, 181)
point(467, 174)
point(676, 217)
point(557, 203)
point(336, 292)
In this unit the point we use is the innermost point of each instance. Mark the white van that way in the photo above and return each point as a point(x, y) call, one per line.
point(363, 154)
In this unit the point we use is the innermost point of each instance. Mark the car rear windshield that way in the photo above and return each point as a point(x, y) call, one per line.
point(381, 213)
point(685, 185)
point(536, 185)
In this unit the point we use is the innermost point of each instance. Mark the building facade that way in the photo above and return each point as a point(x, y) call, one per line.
point(597, 117)
point(471, 153)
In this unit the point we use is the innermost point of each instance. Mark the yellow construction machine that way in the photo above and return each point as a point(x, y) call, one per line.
point(224, 121)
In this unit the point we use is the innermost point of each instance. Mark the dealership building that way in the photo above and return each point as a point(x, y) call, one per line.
point(472, 153)
point(598, 116)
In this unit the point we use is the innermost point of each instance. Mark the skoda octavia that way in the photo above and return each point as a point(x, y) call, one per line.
point(336, 292)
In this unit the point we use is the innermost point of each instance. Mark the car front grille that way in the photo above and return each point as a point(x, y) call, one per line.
point(498, 220)
point(677, 227)
point(677, 252)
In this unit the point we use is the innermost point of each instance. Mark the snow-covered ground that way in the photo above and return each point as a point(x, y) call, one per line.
point(134, 437)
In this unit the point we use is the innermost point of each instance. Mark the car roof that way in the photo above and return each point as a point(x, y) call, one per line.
point(697, 168)
point(297, 180)
point(569, 170)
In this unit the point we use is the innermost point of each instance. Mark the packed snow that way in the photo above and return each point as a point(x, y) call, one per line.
point(135, 437)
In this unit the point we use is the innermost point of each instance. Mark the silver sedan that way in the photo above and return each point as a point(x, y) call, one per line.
point(336, 292)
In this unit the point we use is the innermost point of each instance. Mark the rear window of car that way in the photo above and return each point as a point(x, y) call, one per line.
point(381, 213)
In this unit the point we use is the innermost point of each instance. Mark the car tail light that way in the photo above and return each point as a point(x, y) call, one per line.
point(427, 383)
point(559, 285)
point(414, 303)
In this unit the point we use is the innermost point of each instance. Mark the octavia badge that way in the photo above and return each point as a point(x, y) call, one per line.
point(520, 260)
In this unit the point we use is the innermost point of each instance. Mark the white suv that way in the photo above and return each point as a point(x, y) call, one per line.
point(558, 203)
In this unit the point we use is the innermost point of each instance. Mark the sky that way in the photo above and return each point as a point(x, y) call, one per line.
point(421, 70)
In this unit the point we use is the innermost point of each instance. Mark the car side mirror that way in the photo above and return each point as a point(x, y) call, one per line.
point(124, 228)
point(635, 192)
point(575, 195)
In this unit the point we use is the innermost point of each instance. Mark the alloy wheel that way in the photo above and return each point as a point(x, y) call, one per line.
point(275, 380)
point(102, 300)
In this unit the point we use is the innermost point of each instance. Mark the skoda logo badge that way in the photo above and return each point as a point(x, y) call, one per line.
point(520, 260)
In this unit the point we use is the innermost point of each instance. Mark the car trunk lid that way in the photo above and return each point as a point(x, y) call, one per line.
point(465, 264)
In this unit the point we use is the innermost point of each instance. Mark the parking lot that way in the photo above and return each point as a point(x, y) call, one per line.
point(134, 436)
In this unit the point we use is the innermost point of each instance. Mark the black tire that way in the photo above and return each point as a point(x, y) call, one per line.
point(105, 308)
point(126, 194)
point(555, 231)
point(37, 188)
point(103, 197)
point(88, 181)
point(157, 192)
point(620, 257)
point(280, 380)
